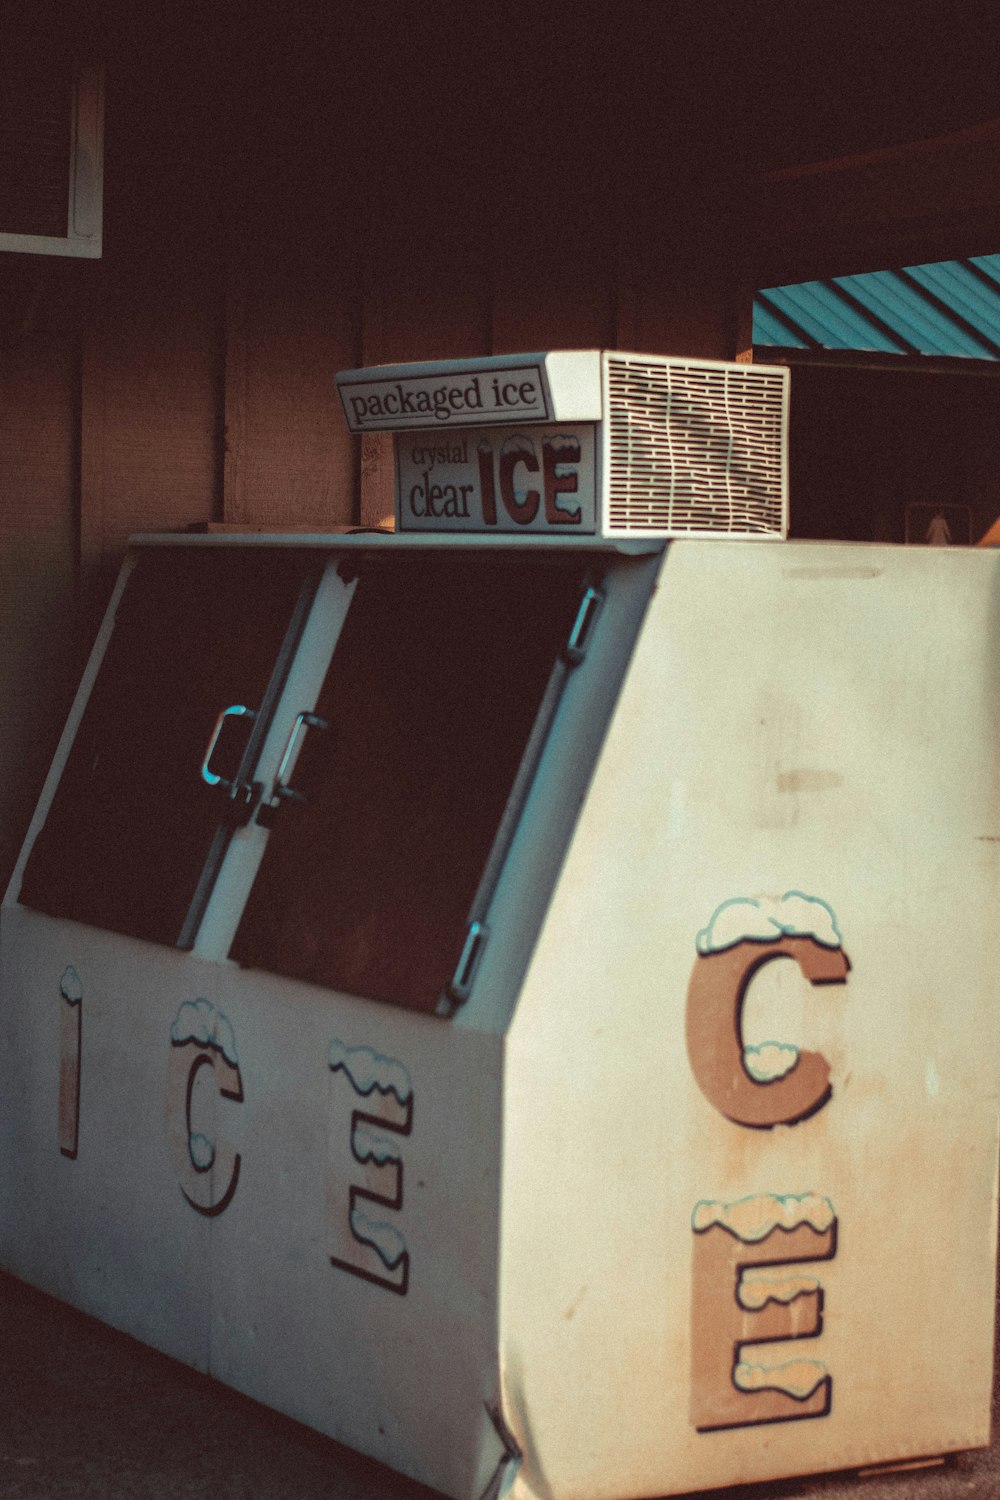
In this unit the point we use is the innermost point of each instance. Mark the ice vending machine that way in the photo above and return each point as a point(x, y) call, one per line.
point(523, 999)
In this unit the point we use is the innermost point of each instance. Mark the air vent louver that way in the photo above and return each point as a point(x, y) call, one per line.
point(695, 447)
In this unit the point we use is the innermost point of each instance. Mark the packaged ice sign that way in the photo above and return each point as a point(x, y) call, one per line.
point(454, 397)
point(581, 442)
point(498, 479)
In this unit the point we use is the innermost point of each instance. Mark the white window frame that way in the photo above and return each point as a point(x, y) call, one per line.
point(85, 211)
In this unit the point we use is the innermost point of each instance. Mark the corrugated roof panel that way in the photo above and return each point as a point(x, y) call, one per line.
point(966, 295)
point(949, 308)
point(767, 329)
point(823, 317)
point(918, 320)
point(988, 264)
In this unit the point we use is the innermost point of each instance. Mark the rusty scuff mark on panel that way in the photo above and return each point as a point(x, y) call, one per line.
point(571, 1310)
point(875, 1470)
point(818, 575)
point(808, 781)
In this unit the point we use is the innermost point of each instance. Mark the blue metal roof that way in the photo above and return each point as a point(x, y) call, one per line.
point(951, 308)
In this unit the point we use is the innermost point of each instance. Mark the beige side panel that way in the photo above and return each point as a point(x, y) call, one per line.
point(92, 1201)
point(354, 1272)
point(292, 1190)
point(802, 764)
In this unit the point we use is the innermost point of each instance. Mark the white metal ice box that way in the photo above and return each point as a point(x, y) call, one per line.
point(527, 1009)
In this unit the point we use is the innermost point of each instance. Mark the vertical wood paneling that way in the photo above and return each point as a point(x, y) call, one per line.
point(671, 301)
point(149, 430)
point(568, 304)
point(91, 485)
point(684, 315)
point(38, 396)
point(407, 322)
point(289, 459)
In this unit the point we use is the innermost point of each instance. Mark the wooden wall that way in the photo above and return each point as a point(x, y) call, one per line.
point(277, 207)
point(39, 384)
point(285, 198)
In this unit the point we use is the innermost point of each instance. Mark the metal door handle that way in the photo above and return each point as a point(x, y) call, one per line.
point(237, 710)
point(579, 638)
point(461, 984)
point(282, 791)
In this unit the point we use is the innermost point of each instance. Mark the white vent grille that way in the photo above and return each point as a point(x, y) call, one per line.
point(695, 447)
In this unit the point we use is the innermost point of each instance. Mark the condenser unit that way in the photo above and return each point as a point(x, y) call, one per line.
point(582, 442)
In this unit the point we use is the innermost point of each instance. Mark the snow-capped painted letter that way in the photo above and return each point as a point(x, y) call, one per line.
point(208, 1169)
point(372, 1107)
point(775, 1084)
point(735, 1302)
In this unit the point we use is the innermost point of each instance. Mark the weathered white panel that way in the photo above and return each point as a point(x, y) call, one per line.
point(700, 1188)
point(108, 1230)
point(382, 1334)
point(820, 720)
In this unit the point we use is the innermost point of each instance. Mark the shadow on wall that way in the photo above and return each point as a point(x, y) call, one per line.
point(867, 444)
point(39, 661)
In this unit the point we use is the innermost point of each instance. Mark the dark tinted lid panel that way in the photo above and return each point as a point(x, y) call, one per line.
point(434, 687)
point(132, 821)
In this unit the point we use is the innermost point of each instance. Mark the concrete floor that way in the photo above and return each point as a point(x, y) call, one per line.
point(92, 1415)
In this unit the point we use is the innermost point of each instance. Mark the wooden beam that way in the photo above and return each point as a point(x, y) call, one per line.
point(930, 199)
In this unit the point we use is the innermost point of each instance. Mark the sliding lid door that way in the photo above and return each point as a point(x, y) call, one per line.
point(408, 761)
point(136, 830)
